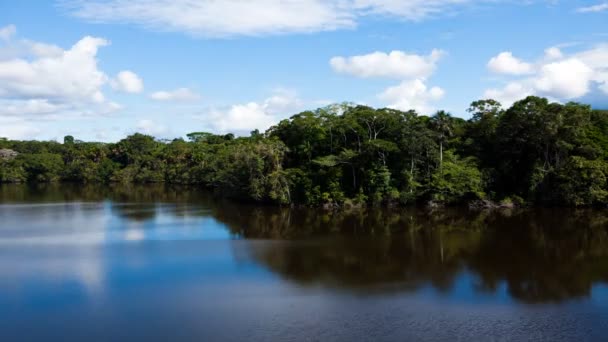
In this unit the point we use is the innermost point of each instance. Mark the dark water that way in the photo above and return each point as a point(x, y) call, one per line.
point(156, 263)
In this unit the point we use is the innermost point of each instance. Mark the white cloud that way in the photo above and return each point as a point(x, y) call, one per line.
point(180, 95)
point(7, 32)
point(19, 131)
point(412, 95)
point(396, 64)
point(558, 76)
point(553, 53)
point(27, 107)
point(596, 58)
point(128, 82)
point(243, 118)
point(593, 9)
point(413, 70)
point(43, 50)
point(151, 127)
point(42, 83)
point(28, 49)
point(73, 75)
point(214, 18)
point(511, 93)
point(604, 83)
point(283, 101)
point(506, 63)
point(414, 10)
point(567, 79)
point(211, 18)
point(17, 128)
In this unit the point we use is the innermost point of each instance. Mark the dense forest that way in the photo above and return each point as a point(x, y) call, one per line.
point(533, 153)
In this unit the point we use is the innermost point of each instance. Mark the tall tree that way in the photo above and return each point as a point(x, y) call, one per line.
point(443, 126)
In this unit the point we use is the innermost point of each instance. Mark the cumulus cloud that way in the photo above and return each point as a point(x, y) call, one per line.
point(558, 76)
point(604, 82)
point(179, 95)
point(17, 128)
point(396, 64)
point(283, 101)
point(596, 59)
point(412, 69)
point(593, 9)
point(566, 79)
point(151, 127)
point(506, 63)
point(7, 32)
point(128, 82)
point(28, 107)
point(243, 118)
point(26, 49)
point(73, 75)
point(509, 94)
point(412, 95)
point(212, 18)
point(553, 53)
point(41, 81)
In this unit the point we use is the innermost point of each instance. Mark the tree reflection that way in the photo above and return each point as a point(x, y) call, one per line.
point(541, 256)
point(538, 255)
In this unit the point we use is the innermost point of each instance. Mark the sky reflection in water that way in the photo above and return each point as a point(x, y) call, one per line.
point(155, 262)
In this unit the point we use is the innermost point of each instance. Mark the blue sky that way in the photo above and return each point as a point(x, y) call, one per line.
point(100, 70)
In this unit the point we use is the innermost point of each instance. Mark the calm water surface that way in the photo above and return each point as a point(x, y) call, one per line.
point(159, 263)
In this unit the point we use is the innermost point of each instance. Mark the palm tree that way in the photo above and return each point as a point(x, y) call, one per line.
point(442, 124)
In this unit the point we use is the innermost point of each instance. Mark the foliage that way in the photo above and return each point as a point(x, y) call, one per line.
point(458, 180)
point(535, 151)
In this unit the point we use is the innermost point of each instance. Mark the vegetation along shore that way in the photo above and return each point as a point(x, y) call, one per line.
point(533, 153)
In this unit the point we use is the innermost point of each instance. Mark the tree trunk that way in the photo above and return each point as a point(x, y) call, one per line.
point(441, 156)
point(412, 166)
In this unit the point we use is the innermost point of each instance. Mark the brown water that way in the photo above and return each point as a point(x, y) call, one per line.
point(163, 263)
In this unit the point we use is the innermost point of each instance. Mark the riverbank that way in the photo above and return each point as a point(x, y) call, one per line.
point(349, 155)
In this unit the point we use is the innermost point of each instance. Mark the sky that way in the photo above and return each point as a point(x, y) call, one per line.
point(101, 70)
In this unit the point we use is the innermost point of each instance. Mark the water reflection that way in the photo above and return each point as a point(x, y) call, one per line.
point(540, 256)
point(536, 255)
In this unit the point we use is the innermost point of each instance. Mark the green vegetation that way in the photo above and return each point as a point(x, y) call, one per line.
point(535, 152)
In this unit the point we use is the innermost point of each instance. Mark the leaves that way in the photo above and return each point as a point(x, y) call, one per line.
point(547, 153)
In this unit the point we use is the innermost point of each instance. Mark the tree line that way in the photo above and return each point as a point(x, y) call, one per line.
point(535, 152)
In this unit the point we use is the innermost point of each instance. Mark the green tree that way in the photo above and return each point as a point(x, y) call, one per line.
point(442, 124)
point(459, 180)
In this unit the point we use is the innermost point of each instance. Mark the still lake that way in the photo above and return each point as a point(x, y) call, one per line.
point(87, 263)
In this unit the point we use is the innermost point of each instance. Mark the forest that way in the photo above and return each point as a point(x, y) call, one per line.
point(535, 153)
